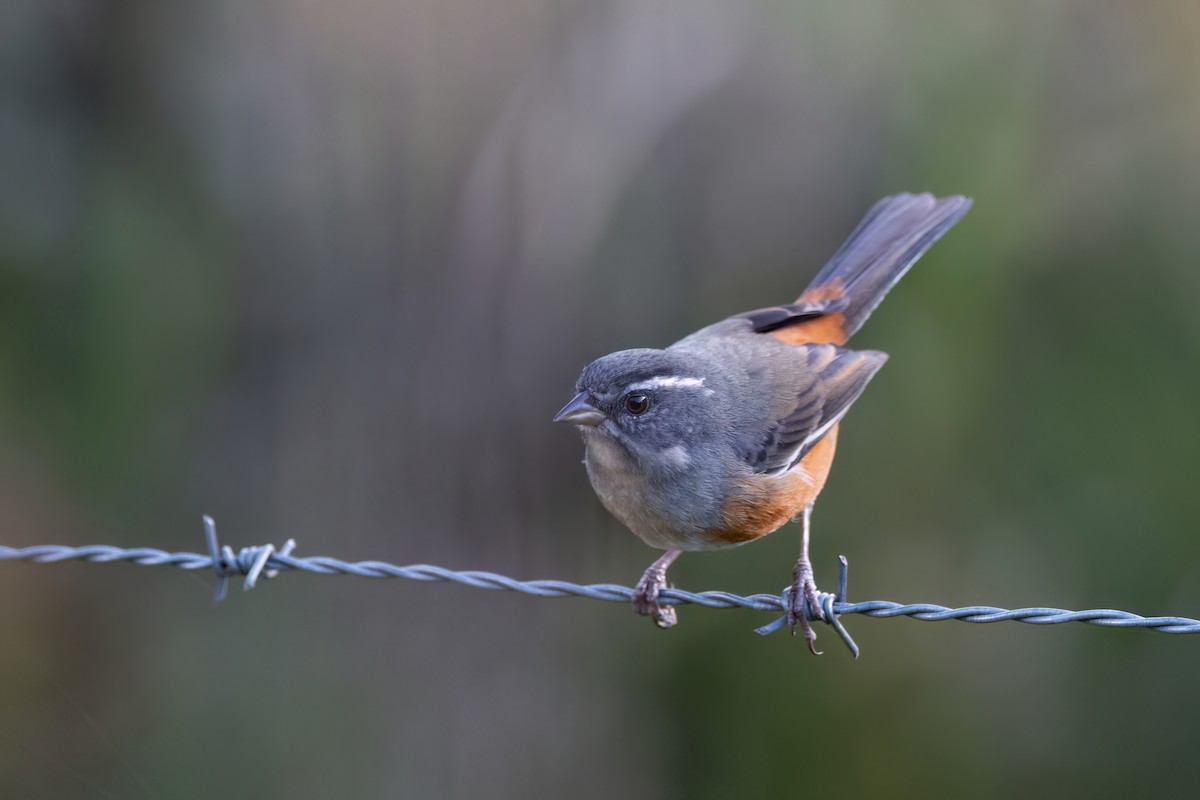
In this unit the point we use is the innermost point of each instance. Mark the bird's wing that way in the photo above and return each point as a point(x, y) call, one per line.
point(834, 378)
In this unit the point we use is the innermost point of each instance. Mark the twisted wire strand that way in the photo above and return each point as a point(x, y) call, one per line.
point(478, 579)
point(252, 562)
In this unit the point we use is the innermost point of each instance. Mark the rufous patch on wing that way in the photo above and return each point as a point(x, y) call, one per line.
point(764, 503)
point(825, 329)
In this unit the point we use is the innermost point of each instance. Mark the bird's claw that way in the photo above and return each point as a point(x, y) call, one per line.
point(804, 601)
point(645, 598)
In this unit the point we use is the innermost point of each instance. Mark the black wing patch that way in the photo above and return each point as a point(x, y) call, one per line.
point(837, 379)
point(765, 320)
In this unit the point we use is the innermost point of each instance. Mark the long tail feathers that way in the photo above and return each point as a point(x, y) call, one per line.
point(890, 238)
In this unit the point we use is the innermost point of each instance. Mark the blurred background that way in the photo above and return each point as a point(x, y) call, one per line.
point(327, 271)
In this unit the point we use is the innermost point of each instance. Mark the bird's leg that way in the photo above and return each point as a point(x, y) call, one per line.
point(804, 589)
point(645, 594)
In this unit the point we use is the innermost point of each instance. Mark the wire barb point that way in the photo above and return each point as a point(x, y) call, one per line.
point(249, 561)
point(831, 605)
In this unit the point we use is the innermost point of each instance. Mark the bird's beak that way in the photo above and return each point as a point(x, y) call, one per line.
point(580, 412)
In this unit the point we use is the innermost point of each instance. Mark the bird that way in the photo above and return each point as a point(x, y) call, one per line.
point(729, 433)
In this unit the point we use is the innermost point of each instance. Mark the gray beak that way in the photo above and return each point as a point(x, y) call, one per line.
point(580, 412)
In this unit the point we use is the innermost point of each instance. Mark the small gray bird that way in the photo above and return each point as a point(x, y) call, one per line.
point(730, 432)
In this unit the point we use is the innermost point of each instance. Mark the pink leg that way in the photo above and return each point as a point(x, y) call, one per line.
point(804, 589)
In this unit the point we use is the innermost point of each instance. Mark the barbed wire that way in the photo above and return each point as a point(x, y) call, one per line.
point(266, 561)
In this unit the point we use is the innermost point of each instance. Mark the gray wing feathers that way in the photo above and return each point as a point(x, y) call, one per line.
point(836, 378)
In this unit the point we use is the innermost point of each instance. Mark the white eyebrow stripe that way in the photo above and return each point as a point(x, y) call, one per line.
point(666, 382)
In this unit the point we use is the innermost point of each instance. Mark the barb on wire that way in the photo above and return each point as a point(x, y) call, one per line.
point(251, 561)
point(266, 561)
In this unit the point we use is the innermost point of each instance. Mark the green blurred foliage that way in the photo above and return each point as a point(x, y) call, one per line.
point(327, 273)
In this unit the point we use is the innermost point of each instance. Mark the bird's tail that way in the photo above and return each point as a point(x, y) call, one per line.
point(893, 235)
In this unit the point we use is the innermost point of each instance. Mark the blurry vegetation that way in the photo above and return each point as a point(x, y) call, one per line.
point(327, 273)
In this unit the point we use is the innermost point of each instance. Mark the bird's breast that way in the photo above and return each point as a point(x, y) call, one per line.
point(701, 508)
point(670, 511)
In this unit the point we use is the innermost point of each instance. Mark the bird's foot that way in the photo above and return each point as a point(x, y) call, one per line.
point(803, 600)
point(645, 597)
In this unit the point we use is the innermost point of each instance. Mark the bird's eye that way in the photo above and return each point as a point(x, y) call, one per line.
point(637, 403)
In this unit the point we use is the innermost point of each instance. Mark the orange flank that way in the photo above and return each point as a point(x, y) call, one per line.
point(766, 502)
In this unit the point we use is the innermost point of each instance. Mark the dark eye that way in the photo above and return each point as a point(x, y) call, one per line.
point(636, 403)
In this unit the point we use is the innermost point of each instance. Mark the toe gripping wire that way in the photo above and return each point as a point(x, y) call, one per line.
point(830, 604)
point(249, 561)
